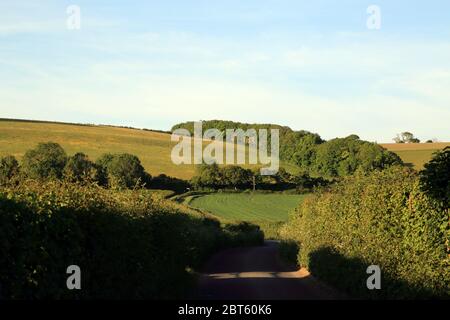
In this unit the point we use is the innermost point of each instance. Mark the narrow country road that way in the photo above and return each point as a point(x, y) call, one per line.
point(256, 273)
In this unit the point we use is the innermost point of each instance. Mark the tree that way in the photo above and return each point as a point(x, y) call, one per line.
point(343, 156)
point(165, 182)
point(435, 177)
point(104, 160)
point(123, 170)
point(47, 160)
point(79, 168)
point(406, 137)
point(102, 164)
point(208, 176)
point(9, 167)
point(237, 177)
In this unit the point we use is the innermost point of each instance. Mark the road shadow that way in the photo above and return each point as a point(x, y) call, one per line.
point(248, 259)
point(349, 275)
point(258, 288)
point(257, 273)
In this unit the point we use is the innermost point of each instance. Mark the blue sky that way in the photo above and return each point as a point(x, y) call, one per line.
point(311, 65)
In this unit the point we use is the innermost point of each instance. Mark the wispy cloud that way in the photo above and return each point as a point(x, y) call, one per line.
point(154, 64)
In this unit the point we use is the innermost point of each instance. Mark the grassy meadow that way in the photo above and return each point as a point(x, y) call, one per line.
point(249, 207)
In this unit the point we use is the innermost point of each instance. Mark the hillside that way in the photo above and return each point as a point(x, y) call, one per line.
point(153, 148)
point(415, 154)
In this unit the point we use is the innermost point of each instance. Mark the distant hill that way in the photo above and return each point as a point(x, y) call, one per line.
point(151, 146)
point(415, 154)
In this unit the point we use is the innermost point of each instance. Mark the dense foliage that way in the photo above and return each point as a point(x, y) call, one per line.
point(165, 182)
point(223, 125)
point(47, 160)
point(435, 177)
point(129, 244)
point(9, 167)
point(235, 177)
point(343, 156)
point(123, 170)
point(335, 158)
point(406, 137)
point(378, 219)
point(80, 169)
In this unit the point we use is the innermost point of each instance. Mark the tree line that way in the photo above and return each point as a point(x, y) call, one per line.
point(328, 159)
point(49, 161)
point(238, 178)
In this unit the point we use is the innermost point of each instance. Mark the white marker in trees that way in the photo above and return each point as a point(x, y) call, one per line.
point(255, 141)
point(374, 280)
point(74, 280)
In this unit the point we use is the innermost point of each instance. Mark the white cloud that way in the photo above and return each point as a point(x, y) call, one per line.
point(179, 76)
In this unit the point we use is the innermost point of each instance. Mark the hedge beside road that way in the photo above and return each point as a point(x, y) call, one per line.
point(131, 244)
point(384, 219)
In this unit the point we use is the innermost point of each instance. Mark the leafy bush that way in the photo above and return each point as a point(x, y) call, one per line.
point(208, 176)
point(80, 169)
point(129, 244)
point(9, 167)
point(165, 182)
point(244, 233)
point(47, 160)
point(435, 177)
point(236, 177)
point(378, 219)
point(123, 170)
point(341, 157)
point(288, 251)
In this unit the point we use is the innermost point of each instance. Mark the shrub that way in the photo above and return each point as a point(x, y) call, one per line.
point(80, 169)
point(47, 160)
point(123, 170)
point(9, 167)
point(129, 244)
point(236, 177)
point(378, 219)
point(288, 251)
point(243, 233)
point(165, 182)
point(344, 156)
point(208, 176)
point(435, 177)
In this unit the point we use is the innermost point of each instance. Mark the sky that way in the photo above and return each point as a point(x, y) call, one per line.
point(310, 65)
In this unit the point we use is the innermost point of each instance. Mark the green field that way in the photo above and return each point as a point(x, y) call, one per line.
point(248, 207)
